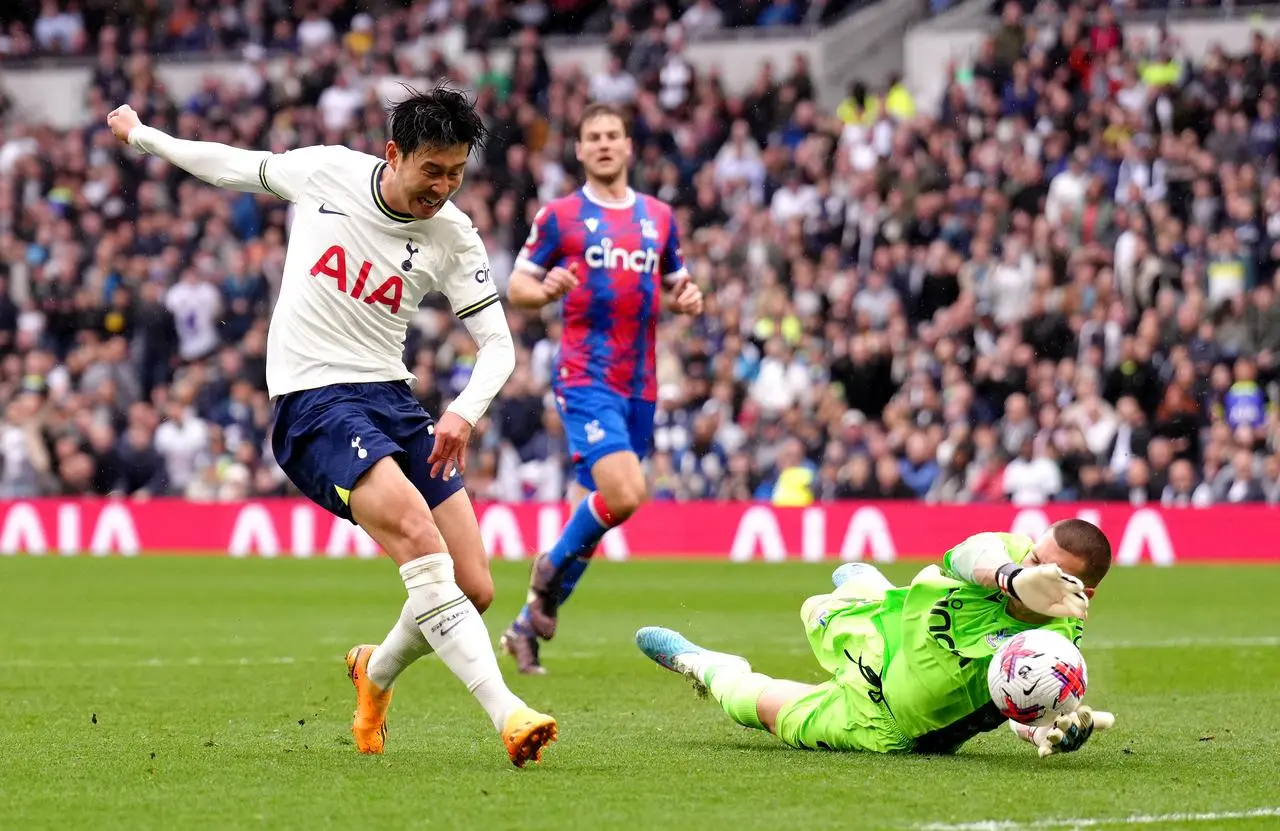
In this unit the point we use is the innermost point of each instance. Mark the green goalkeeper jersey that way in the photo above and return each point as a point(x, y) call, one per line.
point(940, 634)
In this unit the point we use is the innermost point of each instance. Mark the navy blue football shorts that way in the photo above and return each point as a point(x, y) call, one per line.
point(326, 438)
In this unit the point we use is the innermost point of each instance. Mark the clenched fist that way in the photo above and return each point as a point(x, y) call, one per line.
point(559, 282)
point(686, 298)
point(122, 120)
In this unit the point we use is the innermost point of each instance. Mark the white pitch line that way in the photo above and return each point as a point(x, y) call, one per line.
point(574, 655)
point(165, 662)
point(1095, 822)
point(1182, 643)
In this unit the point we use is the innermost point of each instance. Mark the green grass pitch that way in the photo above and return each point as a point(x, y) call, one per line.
point(176, 693)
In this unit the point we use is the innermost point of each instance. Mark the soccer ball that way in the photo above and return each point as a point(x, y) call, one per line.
point(1037, 676)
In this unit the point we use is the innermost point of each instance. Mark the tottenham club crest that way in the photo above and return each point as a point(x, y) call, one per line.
point(407, 265)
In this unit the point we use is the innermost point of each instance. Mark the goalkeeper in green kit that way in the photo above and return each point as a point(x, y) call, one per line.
point(909, 664)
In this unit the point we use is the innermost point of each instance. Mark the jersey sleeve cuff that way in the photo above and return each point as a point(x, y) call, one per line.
point(523, 264)
point(262, 179)
point(464, 414)
point(479, 306)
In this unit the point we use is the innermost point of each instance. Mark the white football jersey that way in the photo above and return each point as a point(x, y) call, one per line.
point(355, 271)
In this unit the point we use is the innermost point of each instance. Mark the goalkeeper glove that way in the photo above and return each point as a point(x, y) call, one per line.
point(1066, 734)
point(1045, 589)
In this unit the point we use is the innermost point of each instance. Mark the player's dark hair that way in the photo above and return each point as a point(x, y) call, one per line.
point(1087, 542)
point(440, 117)
point(599, 110)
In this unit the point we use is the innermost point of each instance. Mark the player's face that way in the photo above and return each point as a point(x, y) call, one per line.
point(427, 177)
point(604, 149)
point(1048, 551)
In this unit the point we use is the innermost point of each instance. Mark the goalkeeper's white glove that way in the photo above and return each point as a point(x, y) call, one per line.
point(1045, 589)
point(1066, 734)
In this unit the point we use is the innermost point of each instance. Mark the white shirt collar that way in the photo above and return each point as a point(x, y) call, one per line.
point(605, 202)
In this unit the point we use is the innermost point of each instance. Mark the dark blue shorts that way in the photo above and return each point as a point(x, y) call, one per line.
point(326, 438)
point(599, 422)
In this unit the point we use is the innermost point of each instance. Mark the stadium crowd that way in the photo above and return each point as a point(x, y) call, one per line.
point(1048, 8)
point(1060, 286)
point(34, 29)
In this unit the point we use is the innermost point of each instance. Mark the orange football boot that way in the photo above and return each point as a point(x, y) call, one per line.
point(369, 722)
point(526, 733)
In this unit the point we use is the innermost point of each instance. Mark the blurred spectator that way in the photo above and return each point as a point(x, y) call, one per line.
point(702, 18)
point(1032, 477)
point(1240, 481)
point(196, 306)
point(793, 486)
point(182, 439)
point(24, 461)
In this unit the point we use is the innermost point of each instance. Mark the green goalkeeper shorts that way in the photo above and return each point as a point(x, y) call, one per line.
point(848, 712)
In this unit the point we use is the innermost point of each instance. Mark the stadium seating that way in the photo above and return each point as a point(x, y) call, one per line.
point(34, 30)
point(1062, 285)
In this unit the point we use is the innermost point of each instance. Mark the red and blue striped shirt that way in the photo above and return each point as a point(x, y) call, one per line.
point(624, 251)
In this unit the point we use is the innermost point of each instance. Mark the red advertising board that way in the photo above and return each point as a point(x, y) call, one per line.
point(879, 531)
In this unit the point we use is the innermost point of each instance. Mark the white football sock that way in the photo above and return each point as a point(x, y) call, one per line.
point(452, 626)
point(705, 663)
point(403, 645)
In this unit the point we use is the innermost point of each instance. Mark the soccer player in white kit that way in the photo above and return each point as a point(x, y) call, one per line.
point(369, 238)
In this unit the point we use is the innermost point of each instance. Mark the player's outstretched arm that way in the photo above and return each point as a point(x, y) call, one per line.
point(985, 560)
point(1067, 733)
point(218, 164)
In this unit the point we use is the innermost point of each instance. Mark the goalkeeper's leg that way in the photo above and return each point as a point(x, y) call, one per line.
point(830, 620)
point(837, 715)
point(749, 698)
point(755, 700)
point(856, 584)
point(830, 716)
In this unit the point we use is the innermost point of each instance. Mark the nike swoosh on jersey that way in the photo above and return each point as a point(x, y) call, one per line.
point(325, 210)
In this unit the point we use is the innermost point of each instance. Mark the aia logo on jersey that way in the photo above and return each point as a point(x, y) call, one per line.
point(387, 291)
point(482, 274)
point(616, 258)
